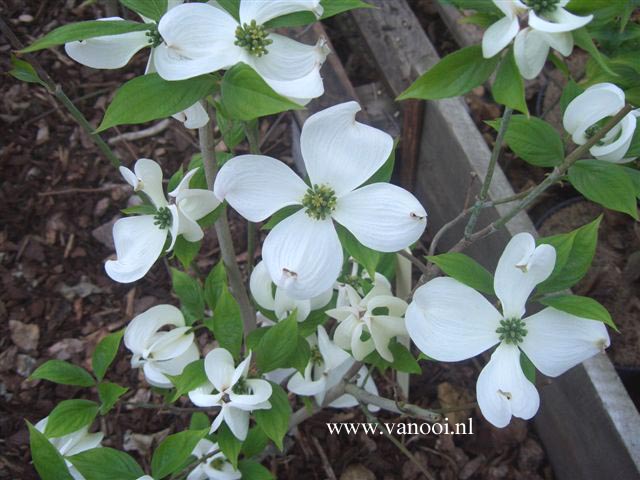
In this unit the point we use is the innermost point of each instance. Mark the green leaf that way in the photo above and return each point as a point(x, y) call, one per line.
point(280, 215)
point(22, 70)
point(528, 368)
point(215, 284)
point(191, 295)
point(582, 38)
point(186, 251)
point(483, 20)
point(229, 444)
point(143, 209)
point(466, 270)
point(275, 421)
point(174, 450)
point(245, 95)
point(300, 358)
point(278, 345)
point(454, 75)
point(104, 463)
point(508, 88)
point(310, 325)
point(583, 307)
point(137, 101)
point(232, 130)
point(634, 147)
point(105, 352)
point(403, 361)
point(253, 470)
point(331, 8)
point(605, 183)
point(83, 30)
point(69, 416)
point(191, 378)
point(199, 421)
point(231, 6)
point(227, 323)
point(478, 5)
point(109, 394)
point(533, 140)
point(59, 371)
point(365, 256)
point(574, 254)
point(48, 462)
point(571, 90)
point(255, 442)
point(153, 9)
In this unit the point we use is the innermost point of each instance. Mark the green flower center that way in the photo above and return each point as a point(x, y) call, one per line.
point(593, 129)
point(320, 201)
point(253, 38)
point(217, 463)
point(162, 218)
point(155, 39)
point(512, 330)
point(241, 387)
point(316, 357)
point(542, 6)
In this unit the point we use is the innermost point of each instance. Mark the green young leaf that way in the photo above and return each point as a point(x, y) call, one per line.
point(483, 20)
point(229, 444)
point(330, 9)
point(59, 371)
point(232, 130)
point(174, 450)
point(278, 345)
point(23, 71)
point(403, 361)
point(315, 318)
point(605, 183)
point(466, 270)
point(528, 368)
point(109, 394)
point(186, 251)
point(69, 416)
point(231, 6)
point(104, 463)
point(199, 421)
point(583, 307)
point(227, 323)
point(533, 140)
point(48, 462)
point(245, 95)
point(105, 352)
point(454, 75)
point(255, 442)
point(574, 254)
point(255, 471)
point(300, 358)
point(83, 30)
point(191, 378)
point(571, 90)
point(215, 284)
point(153, 9)
point(143, 209)
point(275, 421)
point(137, 100)
point(365, 256)
point(582, 38)
point(508, 88)
point(191, 295)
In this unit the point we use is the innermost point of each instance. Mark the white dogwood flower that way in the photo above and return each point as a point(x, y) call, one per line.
point(590, 110)
point(229, 388)
point(115, 51)
point(378, 315)
point(140, 239)
point(201, 38)
point(327, 367)
point(303, 253)
point(549, 27)
point(160, 352)
point(72, 444)
point(262, 289)
point(215, 467)
point(450, 321)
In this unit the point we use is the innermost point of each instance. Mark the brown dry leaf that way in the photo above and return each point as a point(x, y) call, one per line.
point(357, 472)
point(24, 335)
point(450, 396)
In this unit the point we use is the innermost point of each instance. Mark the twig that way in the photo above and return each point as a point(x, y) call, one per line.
point(69, 191)
point(147, 132)
point(56, 90)
point(325, 461)
point(415, 261)
point(170, 408)
point(193, 463)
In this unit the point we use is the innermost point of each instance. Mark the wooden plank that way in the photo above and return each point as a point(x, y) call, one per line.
point(465, 34)
point(587, 421)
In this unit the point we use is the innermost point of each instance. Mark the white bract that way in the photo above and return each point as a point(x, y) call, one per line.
point(378, 315)
point(590, 110)
point(262, 289)
point(160, 352)
point(140, 239)
point(549, 27)
point(327, 367)
point(216, 467)
point(303, 253)
point(73, 443)
point(450, 321)
point(200, 38)
point(229, 388)
point(115, 51)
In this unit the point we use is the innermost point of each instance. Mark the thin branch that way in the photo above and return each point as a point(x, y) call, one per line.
point(147, 132)
point(415, 261)
point(167, 408)
point(253, 135)
point(193, 464)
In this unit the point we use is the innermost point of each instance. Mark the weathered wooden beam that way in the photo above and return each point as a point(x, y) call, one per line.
point(587, 421)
